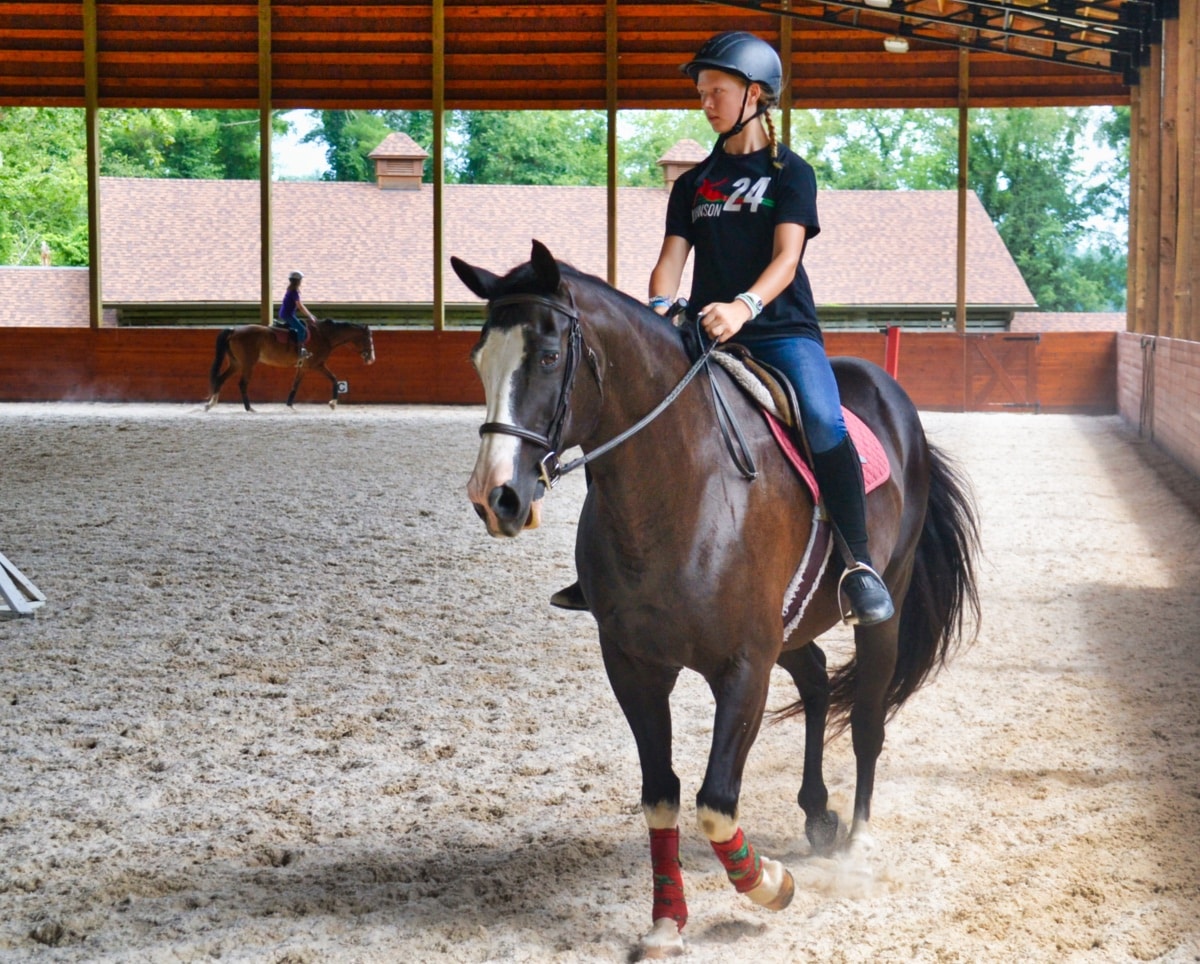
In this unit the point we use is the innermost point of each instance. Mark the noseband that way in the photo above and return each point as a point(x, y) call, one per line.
point(548, 469)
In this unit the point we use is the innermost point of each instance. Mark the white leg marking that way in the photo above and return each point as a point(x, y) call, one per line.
point(661, 816)
point(716, 826)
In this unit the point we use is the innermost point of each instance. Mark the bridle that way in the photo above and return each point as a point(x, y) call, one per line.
point(550, 470)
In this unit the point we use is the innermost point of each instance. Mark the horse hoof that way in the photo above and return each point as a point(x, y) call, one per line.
point(787, 890)
point(333, 404)
point(663, 941)
point(210, 403)
point(822, 833)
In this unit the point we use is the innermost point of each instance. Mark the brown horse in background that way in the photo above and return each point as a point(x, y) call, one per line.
point(247, 345)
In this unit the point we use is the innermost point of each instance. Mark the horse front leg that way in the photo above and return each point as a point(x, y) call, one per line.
point(333, 399)
point(643, 693)
point(741, 694)
point(875, 653)
point(295, 386)
point(807, 668)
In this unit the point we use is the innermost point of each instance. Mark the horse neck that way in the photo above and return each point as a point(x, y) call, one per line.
point(641, 360)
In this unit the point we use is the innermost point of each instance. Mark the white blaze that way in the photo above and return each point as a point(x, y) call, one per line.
point(498, 360)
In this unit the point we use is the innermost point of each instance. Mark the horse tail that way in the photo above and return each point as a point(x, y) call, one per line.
point(941, 593)
point(222, 351)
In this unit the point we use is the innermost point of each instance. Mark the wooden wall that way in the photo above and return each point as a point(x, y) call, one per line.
point(1164, 243)
point(1063, 372)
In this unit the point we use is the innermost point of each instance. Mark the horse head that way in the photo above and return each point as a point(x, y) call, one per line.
point(359, 335)
point(526, 358)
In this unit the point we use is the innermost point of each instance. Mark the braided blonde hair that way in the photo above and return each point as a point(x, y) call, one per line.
point(767, 119)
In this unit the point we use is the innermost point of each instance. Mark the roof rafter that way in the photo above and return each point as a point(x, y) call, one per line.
point(1107, 35)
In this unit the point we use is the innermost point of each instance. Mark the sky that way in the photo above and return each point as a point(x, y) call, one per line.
point(293, 160)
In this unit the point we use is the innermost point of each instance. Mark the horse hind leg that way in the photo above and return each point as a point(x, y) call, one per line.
point(807, 668)
point(875, 655)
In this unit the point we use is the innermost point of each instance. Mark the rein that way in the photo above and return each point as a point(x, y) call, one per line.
point(550, 469)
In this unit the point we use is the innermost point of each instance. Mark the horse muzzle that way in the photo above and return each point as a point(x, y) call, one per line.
point(505, 514)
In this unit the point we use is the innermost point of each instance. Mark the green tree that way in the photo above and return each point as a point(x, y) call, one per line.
point(648, 135)
point(1023, 165)
point(531, 147)
point(350, 135)
point(43, 185)
point(879, 150)
point(168, 142)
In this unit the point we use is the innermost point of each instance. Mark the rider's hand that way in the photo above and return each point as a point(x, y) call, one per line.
point(724, 319)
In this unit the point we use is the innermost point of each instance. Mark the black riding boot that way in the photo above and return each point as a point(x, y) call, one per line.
point(839, 474)
point(571, 597)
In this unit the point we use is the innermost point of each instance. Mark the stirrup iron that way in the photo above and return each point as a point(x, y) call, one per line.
point(849, 617)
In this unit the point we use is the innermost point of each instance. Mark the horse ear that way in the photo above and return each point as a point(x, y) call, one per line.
point(481, 281)
point(545, 267)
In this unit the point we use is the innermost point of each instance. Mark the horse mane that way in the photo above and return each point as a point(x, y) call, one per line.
point(624, 306)
point(334, 323)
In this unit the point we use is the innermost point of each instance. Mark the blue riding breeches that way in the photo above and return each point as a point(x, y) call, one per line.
point(804, 362)
point(297, 328)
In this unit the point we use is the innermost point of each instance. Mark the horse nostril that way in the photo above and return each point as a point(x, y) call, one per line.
point(504, 502)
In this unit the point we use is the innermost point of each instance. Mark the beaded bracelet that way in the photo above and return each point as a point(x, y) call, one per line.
point(751, 301)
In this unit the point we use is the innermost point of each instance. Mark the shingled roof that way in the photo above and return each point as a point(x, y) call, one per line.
point(169, 241)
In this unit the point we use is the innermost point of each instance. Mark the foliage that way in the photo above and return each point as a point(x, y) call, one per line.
point(531, 147)
point(43, 166)
point(351, 135)
point(43, 184)
point(1024, 167)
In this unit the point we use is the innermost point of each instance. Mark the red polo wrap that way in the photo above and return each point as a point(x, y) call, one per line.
point(668, 877)
point(740, 861)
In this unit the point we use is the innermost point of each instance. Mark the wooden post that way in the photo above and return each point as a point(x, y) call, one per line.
point(265, 133)
point(960, 287)
point(610, 100)
point(785, 55)
point(439, 164)
point(1133, 319)
point(1185, 269)
point(1146, 190)
point(1168, 180)
point(91, 100)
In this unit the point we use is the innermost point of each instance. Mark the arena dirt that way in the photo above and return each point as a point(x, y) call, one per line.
point(288, 702)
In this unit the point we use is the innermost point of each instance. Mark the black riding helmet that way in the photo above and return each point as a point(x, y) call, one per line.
point(743, 55)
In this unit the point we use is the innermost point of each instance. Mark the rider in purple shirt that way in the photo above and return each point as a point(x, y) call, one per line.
point(287, 313)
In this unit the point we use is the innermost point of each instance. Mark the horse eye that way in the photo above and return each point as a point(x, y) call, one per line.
point(548, 359)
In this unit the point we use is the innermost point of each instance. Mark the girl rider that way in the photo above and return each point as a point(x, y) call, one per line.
point(287, 314)
point(748, 211)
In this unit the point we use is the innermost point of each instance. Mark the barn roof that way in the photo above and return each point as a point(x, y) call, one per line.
point(181, 240)
point(527, 54)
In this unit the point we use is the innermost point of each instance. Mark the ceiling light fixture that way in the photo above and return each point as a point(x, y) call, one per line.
point(895, 45)
point(878, 4)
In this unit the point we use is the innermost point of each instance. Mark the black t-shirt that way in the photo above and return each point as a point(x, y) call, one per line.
point(728, 212)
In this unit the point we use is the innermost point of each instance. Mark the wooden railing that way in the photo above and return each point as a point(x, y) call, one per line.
point(1059, 372)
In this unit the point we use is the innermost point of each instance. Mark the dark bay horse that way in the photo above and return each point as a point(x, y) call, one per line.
point(685, 563)
point(247, 345)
